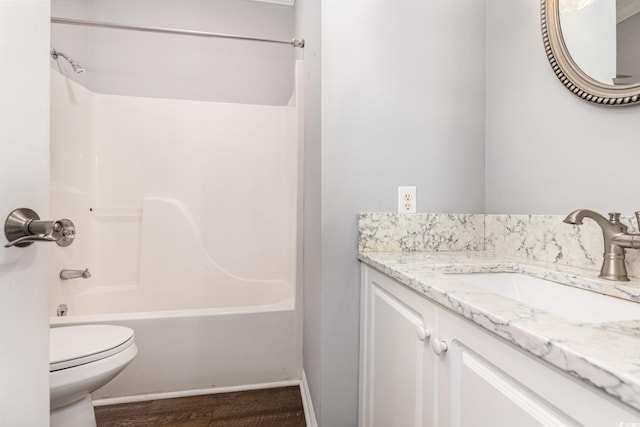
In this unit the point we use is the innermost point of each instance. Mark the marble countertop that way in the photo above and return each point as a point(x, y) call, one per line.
point(605, 355)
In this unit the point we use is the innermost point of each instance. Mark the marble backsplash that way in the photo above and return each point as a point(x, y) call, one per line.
point(548, 238)
point(393, 232)
point(538, 237)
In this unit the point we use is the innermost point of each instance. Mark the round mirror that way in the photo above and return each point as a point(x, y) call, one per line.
point(592, 46)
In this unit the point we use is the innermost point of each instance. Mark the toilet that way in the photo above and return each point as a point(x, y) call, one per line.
point(81, 360)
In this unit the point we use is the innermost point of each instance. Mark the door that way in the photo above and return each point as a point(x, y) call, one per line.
point(24, 182)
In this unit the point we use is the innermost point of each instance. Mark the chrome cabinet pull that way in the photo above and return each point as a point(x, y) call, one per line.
point(23, 227)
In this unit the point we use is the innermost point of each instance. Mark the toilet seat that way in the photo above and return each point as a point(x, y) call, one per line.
point(71, 346)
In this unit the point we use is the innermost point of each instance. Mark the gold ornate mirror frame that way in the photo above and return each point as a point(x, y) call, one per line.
point(571, 76)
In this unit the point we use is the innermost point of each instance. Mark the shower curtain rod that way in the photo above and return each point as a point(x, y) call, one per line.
point(66, 21)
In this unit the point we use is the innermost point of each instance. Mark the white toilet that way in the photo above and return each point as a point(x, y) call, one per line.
point(81, 360)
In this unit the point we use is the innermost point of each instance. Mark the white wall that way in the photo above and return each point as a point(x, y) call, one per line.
point(24, 174)
point(402, 103)
point(548, 151)
point(169, 66)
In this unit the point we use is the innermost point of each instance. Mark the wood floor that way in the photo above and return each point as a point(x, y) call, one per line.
point(281, 407)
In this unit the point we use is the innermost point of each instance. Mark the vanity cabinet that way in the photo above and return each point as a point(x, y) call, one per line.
point(423, 365)
point(398, 370)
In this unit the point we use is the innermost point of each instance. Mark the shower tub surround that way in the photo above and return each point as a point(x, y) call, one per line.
point(204, 274)
point(605, 355)
point(157, 190)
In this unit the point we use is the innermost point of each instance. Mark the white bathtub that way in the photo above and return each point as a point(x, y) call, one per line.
point(203, 349)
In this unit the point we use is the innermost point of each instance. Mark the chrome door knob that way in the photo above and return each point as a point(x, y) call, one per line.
point(23, 227)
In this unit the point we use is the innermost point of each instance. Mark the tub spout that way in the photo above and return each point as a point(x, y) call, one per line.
point(75, 274)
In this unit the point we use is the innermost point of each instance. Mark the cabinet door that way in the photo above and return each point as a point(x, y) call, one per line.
point(485, 381)
point(397, 370)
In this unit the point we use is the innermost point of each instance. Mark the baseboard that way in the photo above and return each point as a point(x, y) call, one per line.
point(198, 392)
point(309, 413)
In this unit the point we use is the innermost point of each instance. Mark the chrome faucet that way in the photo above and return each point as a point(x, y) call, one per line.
point(75, 274)
point(616, 240)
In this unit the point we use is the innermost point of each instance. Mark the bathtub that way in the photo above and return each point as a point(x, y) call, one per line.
point(203, 350)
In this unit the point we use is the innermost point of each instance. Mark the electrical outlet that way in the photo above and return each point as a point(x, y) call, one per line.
point(407, 201)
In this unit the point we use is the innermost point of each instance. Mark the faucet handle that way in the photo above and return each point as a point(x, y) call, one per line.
point(614, 217)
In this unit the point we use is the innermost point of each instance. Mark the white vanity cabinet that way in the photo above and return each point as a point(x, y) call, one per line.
point(397, 370)
point(423, 365)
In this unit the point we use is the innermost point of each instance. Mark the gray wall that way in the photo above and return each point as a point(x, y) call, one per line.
point(548, 151)
point(398, 99)
point(402, 103)
point(307, 20)
point(169, 66)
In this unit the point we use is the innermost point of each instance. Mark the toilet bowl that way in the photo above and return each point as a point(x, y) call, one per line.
point(81, 360)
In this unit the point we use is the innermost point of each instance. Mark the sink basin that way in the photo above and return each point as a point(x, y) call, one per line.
point(555, 298)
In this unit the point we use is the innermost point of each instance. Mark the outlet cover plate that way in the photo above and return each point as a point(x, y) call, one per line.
point(407, 201)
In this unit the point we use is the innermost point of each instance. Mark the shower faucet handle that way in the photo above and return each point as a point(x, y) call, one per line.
point(23, 227)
